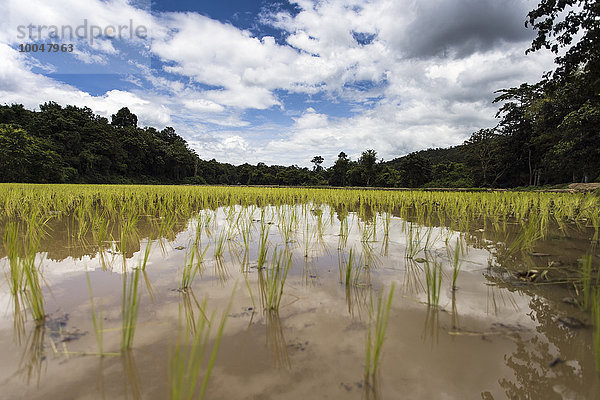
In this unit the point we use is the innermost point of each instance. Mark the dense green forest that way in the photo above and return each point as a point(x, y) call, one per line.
point(547, 133)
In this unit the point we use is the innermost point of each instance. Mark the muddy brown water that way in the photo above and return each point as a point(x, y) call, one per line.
point(498, 335)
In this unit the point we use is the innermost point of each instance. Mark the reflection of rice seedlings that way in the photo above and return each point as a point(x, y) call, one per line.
point(308, 235)
point(33, 355)
point(11, 245)
point(132, 376)
point(148, 286)
point(353, 270)
point(385, 244)
point(344, 232)
point(186, 359)
point(367, 232)
point(433, 282)
point(15, 279)
point(387, 219)
point(245, 231)
point(272, 279)
point(276, 340)
point(190, 303)
point(529, 234)
point(309, 272)
point(191, 267)
point(492, 303)
point(285, 225)
point(127, 234)
point(412, 276)
point(432, 325)
point(370, 258)
point(130, 305)
point(596, 322)
point(376, 334)
point(455, 264)
point(220, 244)
point(455, 321)
point(413, 244)
point(97, 318)
point(357, 299)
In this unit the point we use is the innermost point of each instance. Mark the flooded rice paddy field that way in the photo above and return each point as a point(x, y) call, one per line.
point(187, 292)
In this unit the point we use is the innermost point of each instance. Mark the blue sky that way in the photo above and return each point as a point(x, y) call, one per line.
point(279, 81)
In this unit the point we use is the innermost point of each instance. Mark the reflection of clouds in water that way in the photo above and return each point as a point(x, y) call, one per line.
point(320, 323)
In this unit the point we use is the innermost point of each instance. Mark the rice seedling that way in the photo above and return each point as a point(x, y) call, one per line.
point(586, 281)
point(376, 334)
point(433, 282)
point(191, 267)
point(354, 270)
point(129, 307)
point(186, 358)
point(263, 245)
point(147, 250)
point(97, 319)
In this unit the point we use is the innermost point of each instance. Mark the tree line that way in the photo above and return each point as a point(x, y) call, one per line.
point(547, 133)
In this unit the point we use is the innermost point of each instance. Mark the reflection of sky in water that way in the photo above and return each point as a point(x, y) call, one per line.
point(319, 321)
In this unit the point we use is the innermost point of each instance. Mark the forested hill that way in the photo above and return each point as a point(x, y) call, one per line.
point(73, 145)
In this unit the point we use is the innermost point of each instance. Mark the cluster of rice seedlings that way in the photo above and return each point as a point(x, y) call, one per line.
point(368, 232)
point(263, 245)
point(144, 260)
point(433, 282)
point(129, 307)
point(531, 231)
point(287, 220)
point(344, 231)
point(220, 244)
point(11, 245)
point(587, 283)
point(32, 294)
point(97, 319)
point(376, 334)
point(24, 276)
point(355, 273)
point(386, 233)
point(307, 237)
point(455, 257)
point(187, 356)
point(245, 227)
point(272, 279)
point(412, 277)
